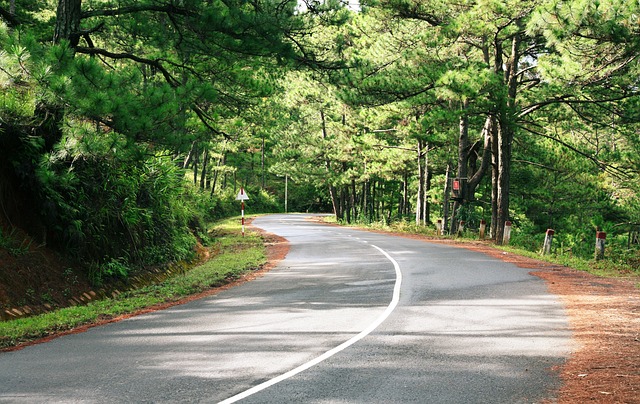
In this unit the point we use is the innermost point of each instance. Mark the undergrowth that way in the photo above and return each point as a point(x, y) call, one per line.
point(618, 261)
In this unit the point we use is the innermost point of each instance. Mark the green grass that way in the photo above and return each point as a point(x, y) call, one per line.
point(602, 268)
point(235, 256)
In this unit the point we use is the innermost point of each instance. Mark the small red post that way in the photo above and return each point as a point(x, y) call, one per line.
point(483, 228)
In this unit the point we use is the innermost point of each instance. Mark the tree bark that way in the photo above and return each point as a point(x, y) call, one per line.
point(476, 175)
point(426, 208)
point(337, 211)
point(420, 197)
point(216, 173)
point(205, 163)
point(354, 206)
point(463, 148)
point(405, 194)
point(445, 208)
point(68, 17)
point(196, 157)
point(506, 131)
point(187, 160)
point(463, 164)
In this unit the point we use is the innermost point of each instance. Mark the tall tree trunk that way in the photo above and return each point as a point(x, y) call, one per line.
point(447, 193)
point(354, 199)
point(365, 196)
point(382, 190)
point(506, 131)
point(262, 162)
point(346, 212)
point(494, 183)
point(476, 176)
point(374, 201)
point(463, 149)
point(195, 165)
point(216, 172)
point(337, 211)
point(420, 196)
point(405, 194)
point(364, 212)
point(187, 160)
point(426, 208)
point(463, 164)
point(205, 163)
point(505, 136)
point(68, 16)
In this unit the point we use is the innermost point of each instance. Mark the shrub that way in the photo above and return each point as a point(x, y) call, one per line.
point(119, 210)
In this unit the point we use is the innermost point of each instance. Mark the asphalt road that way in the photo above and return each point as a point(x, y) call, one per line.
point(348, 317)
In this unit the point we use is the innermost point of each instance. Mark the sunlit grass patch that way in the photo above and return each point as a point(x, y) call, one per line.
point(233, 256)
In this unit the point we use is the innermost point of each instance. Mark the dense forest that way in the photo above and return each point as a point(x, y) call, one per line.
point(125, 126)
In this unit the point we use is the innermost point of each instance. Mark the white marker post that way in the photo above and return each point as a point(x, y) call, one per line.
point(548, 239)
point(242, 196)
point(506, 235)
point(601, 238)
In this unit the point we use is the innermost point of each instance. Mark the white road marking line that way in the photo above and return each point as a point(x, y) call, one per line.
point(392, 305)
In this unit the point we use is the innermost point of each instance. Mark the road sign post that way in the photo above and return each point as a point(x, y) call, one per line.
point(242, 196)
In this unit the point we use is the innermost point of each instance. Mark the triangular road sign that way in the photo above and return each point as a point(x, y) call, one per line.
point(242, 196)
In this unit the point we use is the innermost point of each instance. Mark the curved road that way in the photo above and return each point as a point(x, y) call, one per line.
point(348, 317)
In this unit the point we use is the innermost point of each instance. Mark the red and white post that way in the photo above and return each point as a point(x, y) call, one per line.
point(506, 235)
point(242, 213)
point(242, 196)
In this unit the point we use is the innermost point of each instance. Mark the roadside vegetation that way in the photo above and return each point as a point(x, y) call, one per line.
point(618, 262)
point(231, 256)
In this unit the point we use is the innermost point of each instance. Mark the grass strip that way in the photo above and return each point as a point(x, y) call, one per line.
point(601, 268)
point(235, 256)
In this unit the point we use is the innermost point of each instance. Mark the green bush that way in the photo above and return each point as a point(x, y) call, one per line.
point(119, 210)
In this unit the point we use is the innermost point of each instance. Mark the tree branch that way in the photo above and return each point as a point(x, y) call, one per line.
point(537, 165)
point(601, 164)
point(204, 118)
point(11, 19)
point(151, 62)
point(169, 9)
point(565, 99)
